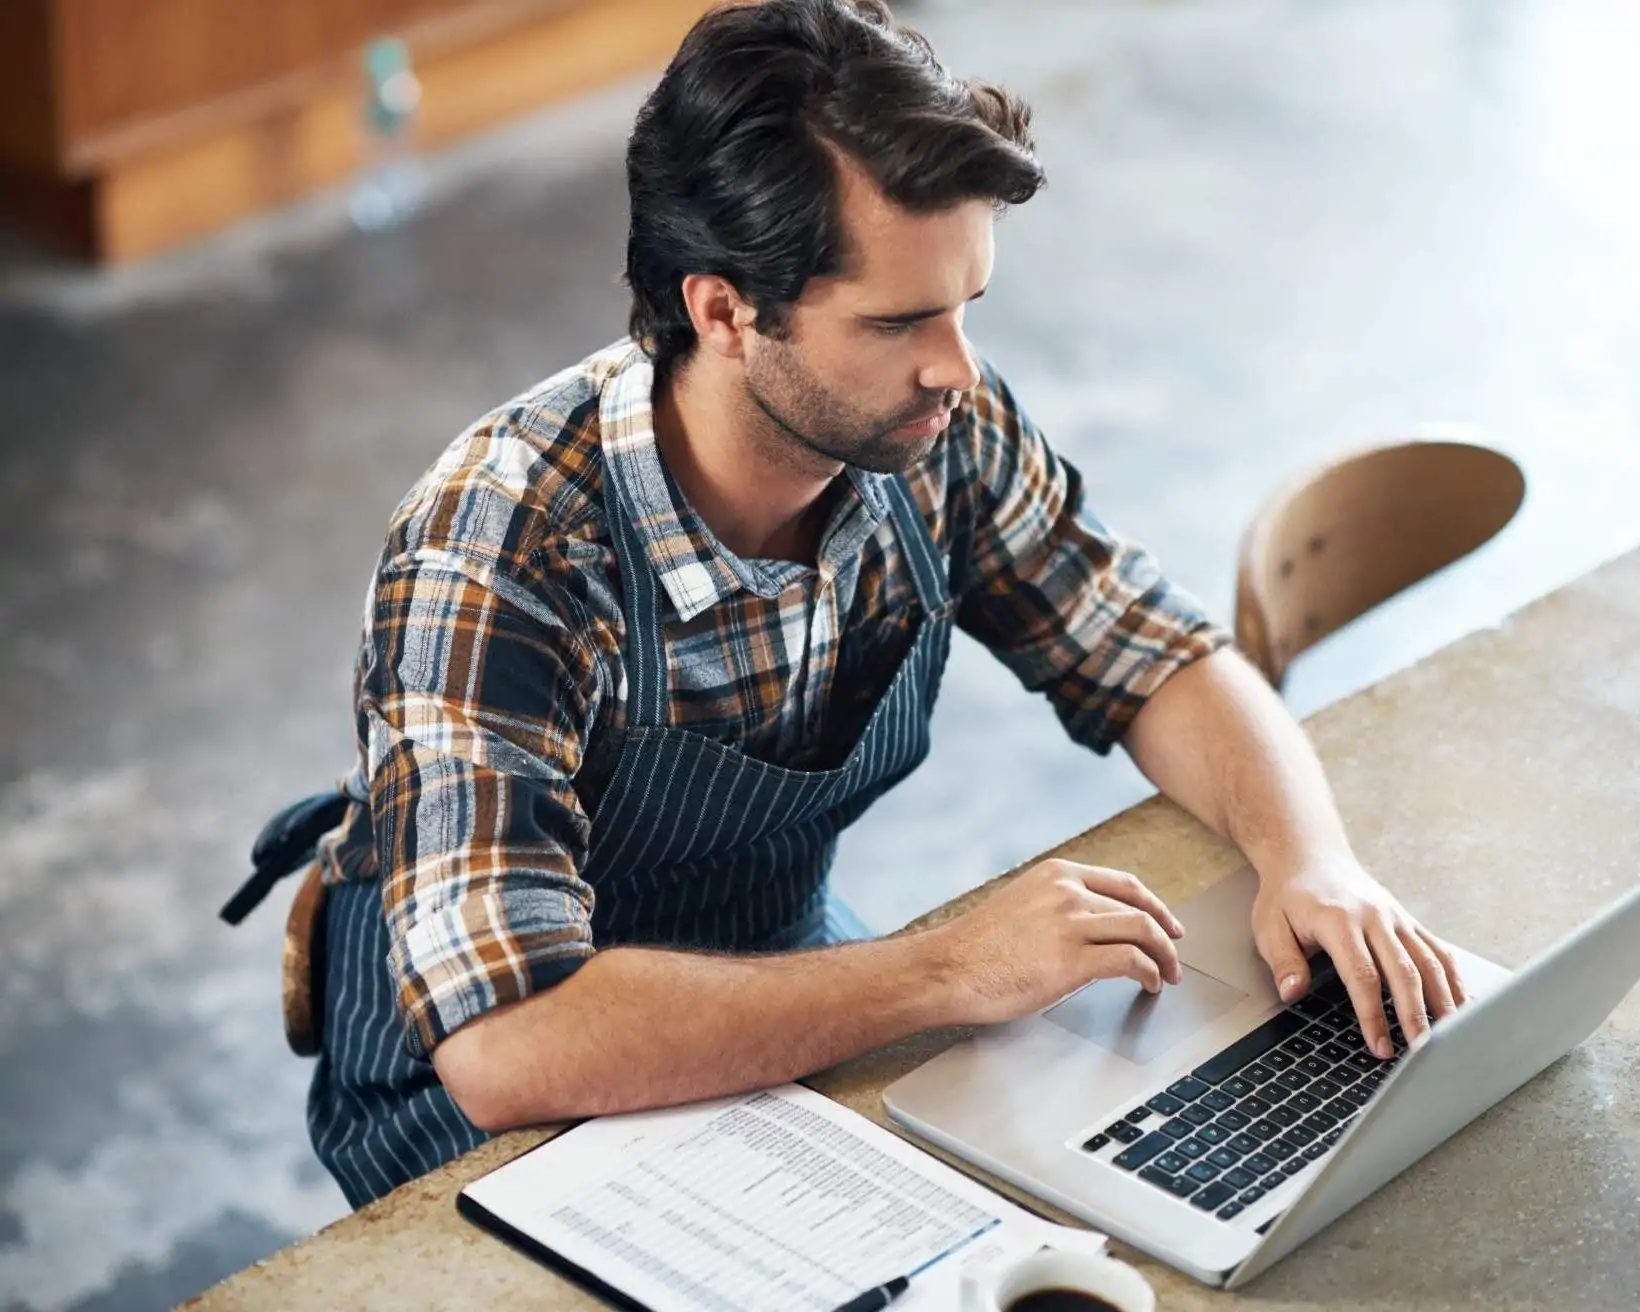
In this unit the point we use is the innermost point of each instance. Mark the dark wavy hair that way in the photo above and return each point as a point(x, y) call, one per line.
point(730, 166)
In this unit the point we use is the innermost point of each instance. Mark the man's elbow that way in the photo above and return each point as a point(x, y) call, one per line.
point(470, 1068)
point(481, 1067)
point(496, 1070)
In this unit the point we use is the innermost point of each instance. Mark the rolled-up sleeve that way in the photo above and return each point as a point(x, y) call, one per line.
point(479, 695)
point(1077, 612)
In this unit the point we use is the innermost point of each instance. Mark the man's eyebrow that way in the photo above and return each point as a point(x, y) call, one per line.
point(916, 316)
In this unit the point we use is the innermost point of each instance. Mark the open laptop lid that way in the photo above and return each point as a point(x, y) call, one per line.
point(1471, 1060)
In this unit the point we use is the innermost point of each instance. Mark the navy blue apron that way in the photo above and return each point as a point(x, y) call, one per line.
point(694, 844)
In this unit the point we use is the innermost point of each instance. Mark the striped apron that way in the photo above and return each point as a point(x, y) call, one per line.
point(694, 844)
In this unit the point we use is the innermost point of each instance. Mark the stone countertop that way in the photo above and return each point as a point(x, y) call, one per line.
point(1495, 787)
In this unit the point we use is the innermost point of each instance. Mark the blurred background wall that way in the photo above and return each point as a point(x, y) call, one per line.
point(1274, 229)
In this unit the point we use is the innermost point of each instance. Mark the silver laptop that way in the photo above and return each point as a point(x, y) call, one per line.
point(1217, 1129)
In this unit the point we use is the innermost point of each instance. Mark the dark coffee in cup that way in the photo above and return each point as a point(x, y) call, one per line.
point(1061, 1300)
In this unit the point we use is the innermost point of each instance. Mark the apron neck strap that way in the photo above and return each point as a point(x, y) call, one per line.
point(917, 540)
point(640, 588)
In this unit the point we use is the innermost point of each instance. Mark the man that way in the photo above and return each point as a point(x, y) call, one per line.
point(647, 637)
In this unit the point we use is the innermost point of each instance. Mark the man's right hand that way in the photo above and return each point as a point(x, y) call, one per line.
point(1054, 928)
point(638, 1027)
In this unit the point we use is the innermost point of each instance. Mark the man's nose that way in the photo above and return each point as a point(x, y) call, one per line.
point(953, 368)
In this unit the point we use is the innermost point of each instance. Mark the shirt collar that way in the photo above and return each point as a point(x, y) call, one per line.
point(696, 571)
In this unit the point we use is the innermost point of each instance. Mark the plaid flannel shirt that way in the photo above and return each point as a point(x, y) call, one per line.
point(491, 668)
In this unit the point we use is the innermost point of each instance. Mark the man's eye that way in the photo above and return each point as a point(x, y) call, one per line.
point(893, 329)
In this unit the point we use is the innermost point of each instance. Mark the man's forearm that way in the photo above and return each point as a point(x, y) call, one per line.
point(636, 1027)
point(1218, 741)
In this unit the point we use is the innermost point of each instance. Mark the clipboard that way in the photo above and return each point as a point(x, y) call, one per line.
point(777, 1201)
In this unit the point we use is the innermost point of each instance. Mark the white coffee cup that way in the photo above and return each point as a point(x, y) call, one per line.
point(991, 1288)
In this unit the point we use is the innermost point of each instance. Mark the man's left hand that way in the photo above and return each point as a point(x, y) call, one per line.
point(1337, 907)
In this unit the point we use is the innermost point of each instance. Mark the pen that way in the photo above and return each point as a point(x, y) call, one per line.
point(879, 1297)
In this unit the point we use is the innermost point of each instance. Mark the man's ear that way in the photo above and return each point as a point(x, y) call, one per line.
point(720, 314)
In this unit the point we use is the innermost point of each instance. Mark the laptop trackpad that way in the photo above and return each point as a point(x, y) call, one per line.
point(1119, 1015)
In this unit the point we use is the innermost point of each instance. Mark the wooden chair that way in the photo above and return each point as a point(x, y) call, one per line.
point(1356, 532)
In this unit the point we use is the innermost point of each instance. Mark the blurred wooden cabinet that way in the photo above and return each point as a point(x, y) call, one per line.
point(127, 126)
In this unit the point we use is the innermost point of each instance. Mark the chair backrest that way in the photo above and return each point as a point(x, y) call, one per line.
point(1356, 532)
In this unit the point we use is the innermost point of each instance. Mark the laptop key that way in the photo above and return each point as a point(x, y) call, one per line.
point(1313, 1066)
point(1137, 1115)
point(1320, 1122)
point(1217, 1099)
point(1176, 1129)
point(1324, 1089)
point(1259, 1164)
point(1213, 1197)
point(1294, 1080)
point(1136, 1155)
point(1203, 1173)
point(1275, 1179)
point(1258, 1073)
point(1187, 1088)
point(1180, 1186)
point(1316, 1151)
point(1263, 1130)
point(1252, 1045)
point(1229, 1211)
point(1244, 1143)
point(1094, 1144)
point(1240, 1177)
point(1285, 1115)
point(1254, 1107)
point(1171, 1162)
point(1191, 1148)
point(1237, 1087)
point(1312, 1005)
point(1304, 1102)
point(1299, 1046)
point(1234, 1119)
point(1223, 1158)
point(1281, 1149)
point(1345, 1075)
point(1333, 1136)
point(1250, 1196)
point(1293, 1165)
point(1301, 1136)
point(1165, 1104)
point(1362, 1060)
point(1277, 1060)
point(1333, 1051)
point(1212, 1134)
point(1123, 1132)
point(1196, 1114)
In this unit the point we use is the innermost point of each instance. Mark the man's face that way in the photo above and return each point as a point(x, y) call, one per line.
point(874, 359)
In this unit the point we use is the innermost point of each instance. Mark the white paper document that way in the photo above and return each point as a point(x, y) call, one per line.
point(763, 1203)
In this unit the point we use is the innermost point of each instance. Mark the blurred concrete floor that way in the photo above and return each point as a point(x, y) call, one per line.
point(1274, 228)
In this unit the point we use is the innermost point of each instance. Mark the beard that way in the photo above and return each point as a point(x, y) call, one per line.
point(804, 414)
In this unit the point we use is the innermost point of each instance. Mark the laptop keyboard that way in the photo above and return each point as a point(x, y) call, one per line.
point(1257, 1113)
